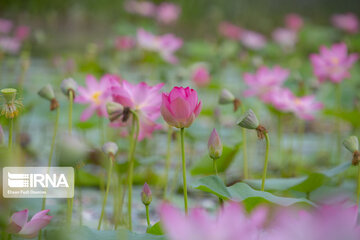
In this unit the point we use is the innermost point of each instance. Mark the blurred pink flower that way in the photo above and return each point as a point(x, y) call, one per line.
point(166, 45)
point(264, 82)
point(167, 13)
point(230, 30)
point(143, 8)
point(9, 45)
point(200, 76)
point(124, 43)
point(285, 37)
point(333, 63)
point(253, 40)
point(180, 107)
point(22, 32)
point(348, 22)
point(294, 21)
point(96, 94)
point(144, 99)
point(20, 226)
point(230, 223)
point(303, 107)
point(330, 222)
point(5, 25)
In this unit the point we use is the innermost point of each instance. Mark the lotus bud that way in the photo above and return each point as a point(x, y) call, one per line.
point(146, 196)
point(226, 97)
point(110, 148)
point(115, 110)
point(214, 145)
point(352, 144)
point(47, 93)
point(68, 85)
point(248, 120)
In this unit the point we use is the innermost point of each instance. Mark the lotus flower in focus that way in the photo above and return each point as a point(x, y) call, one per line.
point(333, 63)
point(20, 225)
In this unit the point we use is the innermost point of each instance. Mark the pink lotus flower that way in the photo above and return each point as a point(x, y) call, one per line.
point(285, 37)
point(20, 226)
point(330, 222)
point(22, 32)
point(5, 26)
point(231, 223)
point(200, 76)
point(144, 99)
point(303, 107)
point(294, 21)
point(253, 40)
point(166, 45)
point(230, 30)
point(96, 94)
point(348, 22)
point(9, 45)
point(167, 13)
point(264, 82)
point(333, 63)
point(143, 8)
point(124, 43)
point(180, 107)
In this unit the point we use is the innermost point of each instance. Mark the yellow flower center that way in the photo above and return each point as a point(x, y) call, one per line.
point(334, 60)
point(96, 95)
point(298, 101)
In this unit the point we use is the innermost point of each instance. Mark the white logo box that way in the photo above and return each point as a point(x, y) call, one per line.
point(38, 182)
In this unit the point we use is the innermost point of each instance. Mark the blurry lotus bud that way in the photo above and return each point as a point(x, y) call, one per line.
point(110, 148)
point(68, 85)
point(71, 150)
point(47, 93)
point(226, 97)
point(2, 135)
point(146, 196)
point(248, 120)
point(351, 144)
point(115, 110)
point(214, 145)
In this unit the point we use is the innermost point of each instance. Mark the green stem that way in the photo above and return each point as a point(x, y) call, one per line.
point(11, 132)
point(184, 169)
point(134, 138)
point(279, 135)
point(71, 200)
point(338, 124)
point(168, 160)
point(147, 215)
point(215, 167)
point(266, 161)
point(245, 160)
point(358, 187)
point(102, 131)
point(111, 159)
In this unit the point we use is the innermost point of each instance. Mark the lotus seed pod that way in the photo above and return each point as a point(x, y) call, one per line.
point(47, 92)
point(146, 196)
point(226, 97)
point(214, 145)
point(9, 94)
point(351, 144)
point(248, 120)
point(115, 110)
point(67, 85)
point(110, 148)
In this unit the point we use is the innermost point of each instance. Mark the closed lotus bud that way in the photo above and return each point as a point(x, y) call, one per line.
point(110, 148)
point(226, 97)
point(115, 110)
point(68, 85)
point(351, 144)
point(146, 196)
point(248, 120)
point(214, 145)
point(47, 92)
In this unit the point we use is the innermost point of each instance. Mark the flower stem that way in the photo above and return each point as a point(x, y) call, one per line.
point(11, 132)
point(134, 134)
point(147, 215)
point(215, 167)
point(279, 135)
point(266, 161)
point(338, 124)
point(184, 169)
point(111, 159)
point(245, 160)
point(358, 187)
point(168, 160)
point(70, 200)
